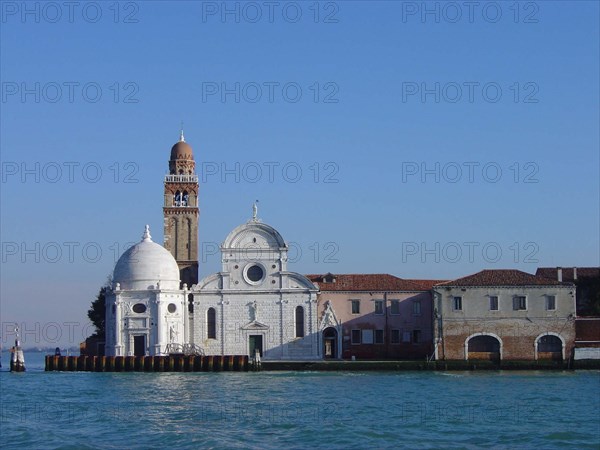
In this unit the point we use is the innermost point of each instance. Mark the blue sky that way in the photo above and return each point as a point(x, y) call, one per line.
point(362, 133)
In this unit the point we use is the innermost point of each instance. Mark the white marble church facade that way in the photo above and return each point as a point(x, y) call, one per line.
point(253, 305)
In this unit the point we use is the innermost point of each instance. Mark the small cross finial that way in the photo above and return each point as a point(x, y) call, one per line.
point(181, 138)
point(146, 237)
point(255, 210)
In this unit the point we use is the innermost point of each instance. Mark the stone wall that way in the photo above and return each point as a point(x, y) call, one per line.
point(517, 331)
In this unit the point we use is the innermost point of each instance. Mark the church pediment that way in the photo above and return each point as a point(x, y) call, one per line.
point(329, 318)
point(254, 236)
point(255, 325)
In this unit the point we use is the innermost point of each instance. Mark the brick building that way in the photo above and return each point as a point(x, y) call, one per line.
point(504, 314)
point(374, 316)
point(587, 280)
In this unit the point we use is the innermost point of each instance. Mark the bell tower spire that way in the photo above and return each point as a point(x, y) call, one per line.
point(180, 210)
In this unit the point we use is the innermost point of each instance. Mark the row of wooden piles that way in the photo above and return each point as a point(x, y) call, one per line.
point(173, 363)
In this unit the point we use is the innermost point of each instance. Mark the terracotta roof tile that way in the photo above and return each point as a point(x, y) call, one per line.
point(364, 282)
point(502, 277)
point(426, 285)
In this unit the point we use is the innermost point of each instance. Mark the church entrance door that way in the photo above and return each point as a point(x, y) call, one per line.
point(329, 342)
point(139, 345)
point(255, 342)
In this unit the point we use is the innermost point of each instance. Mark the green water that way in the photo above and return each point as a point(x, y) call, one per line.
point(299, 409)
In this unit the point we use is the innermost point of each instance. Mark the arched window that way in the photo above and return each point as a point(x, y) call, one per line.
point(190, 303)
point(299, 321)
point(211, 323)
point(177, 199)
point(184, 199)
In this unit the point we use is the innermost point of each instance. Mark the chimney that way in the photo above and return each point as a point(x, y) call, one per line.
point(559, 272)
point(575, 273)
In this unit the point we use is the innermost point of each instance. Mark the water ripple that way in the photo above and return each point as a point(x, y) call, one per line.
point(273, 410)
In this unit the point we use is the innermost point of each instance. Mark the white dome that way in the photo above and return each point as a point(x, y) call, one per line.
point(144, 265)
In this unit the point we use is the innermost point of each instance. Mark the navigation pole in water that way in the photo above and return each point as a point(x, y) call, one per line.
point(17, 360)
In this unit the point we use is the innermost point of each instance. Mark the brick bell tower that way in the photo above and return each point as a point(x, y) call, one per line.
point(181, 211)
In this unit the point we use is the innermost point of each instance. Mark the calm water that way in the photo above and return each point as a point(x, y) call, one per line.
point(298, 410)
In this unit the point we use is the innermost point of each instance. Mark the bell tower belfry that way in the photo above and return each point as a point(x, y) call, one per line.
point(181, 211)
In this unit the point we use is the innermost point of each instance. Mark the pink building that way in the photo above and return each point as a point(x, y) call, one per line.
point(374, 316)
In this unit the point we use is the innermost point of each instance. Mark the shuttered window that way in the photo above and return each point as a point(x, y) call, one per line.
point(519, 303)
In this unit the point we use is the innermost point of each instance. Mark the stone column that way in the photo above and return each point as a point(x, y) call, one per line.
point(119, 351)
point(160, 345)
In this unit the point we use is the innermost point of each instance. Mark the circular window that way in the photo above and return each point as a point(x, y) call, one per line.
point(236, 267)
point(171, 307)
point(273, 266)
point(255, 273)
point(139, 308)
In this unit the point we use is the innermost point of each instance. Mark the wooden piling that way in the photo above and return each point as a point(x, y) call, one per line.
point(149, 364)
point(189, 367)
point(218, 365)
point(171, 363)
point(177, 363)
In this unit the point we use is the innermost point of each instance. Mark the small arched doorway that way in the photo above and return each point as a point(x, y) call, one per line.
point(549, 346)
point(484, 346)
point(330, 338)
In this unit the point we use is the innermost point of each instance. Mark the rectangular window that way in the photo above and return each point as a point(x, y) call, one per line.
point(416, 336)
point(299, 321)
point(355, 306)
point(395, 307)
point(211, 323)
point(417, 307)
point(551, 302)
point(379, 336)
point(520, 303)
point(378, 306)
point(355, 336)
point(395, 336)
point(493, 303)
point(406, 336)
point(367, 336)
point(457, 303)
